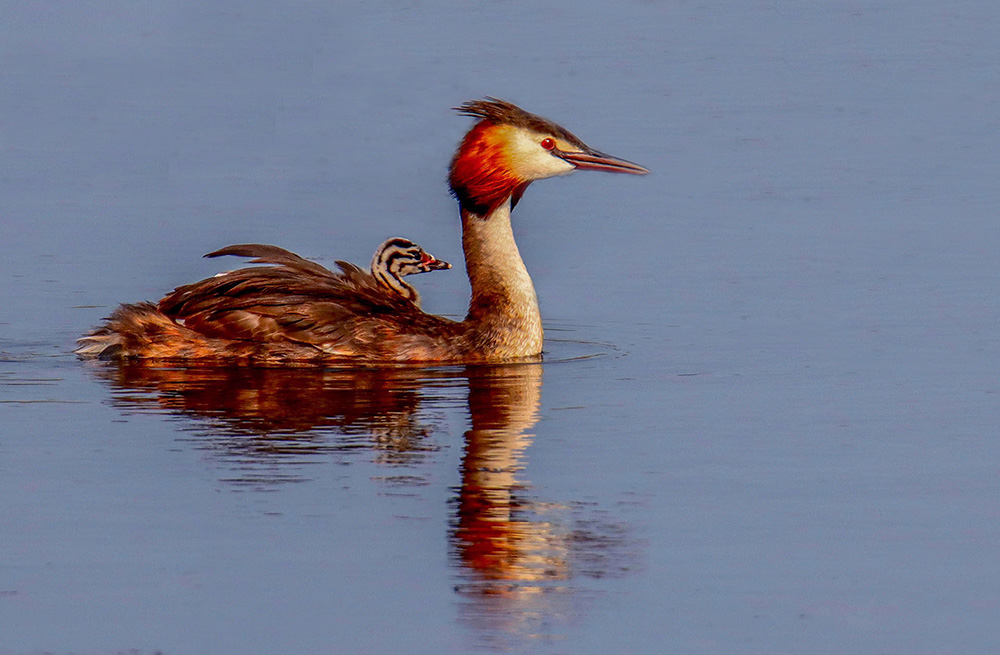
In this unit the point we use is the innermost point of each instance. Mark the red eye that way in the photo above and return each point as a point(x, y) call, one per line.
point(548, 144)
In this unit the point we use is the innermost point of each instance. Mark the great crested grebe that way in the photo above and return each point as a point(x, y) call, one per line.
point(293, 312)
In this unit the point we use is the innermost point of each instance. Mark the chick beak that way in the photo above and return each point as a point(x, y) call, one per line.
point(430, 263)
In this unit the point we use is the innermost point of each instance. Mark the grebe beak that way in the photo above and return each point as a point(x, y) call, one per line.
point(431, 263)
point(592, 160)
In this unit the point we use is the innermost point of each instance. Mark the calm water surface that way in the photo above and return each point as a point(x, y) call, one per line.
point(767, 418)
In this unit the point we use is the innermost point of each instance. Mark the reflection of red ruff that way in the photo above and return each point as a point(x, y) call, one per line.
point(481, 171)
point(487, 538)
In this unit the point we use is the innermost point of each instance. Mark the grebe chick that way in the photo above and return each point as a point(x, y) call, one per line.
point(296, 311)
point(399, 257)
point(394, 259)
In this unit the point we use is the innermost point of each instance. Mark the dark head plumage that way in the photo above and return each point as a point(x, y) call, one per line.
point(500, 111)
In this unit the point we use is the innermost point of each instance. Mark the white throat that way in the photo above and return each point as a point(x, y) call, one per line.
point(503, 297)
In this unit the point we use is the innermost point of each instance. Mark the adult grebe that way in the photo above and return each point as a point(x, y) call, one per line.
point(291, 312)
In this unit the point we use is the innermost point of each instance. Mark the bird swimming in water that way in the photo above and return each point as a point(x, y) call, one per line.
point(296, 311)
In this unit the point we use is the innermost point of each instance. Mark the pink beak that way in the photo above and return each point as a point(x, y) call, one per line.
point(592, 160)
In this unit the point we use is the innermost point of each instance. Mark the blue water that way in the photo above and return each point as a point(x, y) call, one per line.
point(767, 419)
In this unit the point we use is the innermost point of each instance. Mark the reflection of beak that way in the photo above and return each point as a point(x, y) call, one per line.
point(592, 160)
point(430, 263)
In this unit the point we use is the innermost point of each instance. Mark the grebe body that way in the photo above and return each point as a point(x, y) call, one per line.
point(295, 311)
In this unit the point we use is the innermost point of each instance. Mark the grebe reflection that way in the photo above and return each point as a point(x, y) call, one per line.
point(518, 560)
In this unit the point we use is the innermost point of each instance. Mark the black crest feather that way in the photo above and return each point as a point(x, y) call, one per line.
point(507, 113)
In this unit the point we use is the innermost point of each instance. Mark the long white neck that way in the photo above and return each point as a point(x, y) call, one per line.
point(504, 307)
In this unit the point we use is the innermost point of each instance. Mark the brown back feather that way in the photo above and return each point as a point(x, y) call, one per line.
point(267, 254)
point(293, 299)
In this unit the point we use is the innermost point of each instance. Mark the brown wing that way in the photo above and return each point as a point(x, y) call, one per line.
point(265, 254)
point(293, 299)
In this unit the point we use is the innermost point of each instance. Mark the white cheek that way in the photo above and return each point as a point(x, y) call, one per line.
point(536, 163)
point(550, 166)
point(560, 166)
